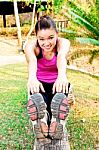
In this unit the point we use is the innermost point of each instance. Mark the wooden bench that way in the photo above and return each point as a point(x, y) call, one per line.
point(61, 24)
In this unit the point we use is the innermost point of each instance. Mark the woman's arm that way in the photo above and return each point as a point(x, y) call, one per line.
point(61, 84)
point(31, 59)
point(63, 49)
point(33, 84)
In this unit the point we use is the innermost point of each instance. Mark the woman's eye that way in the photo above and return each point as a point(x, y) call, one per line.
point(41, 39)
point(51, 37)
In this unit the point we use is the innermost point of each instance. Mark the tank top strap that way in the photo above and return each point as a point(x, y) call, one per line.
point(56, 52)
point(40, 54)
point(40, 51)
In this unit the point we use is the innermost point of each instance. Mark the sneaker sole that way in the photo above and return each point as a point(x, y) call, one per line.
point(60, 110)
point(39, 130)
point(59, 132)
point(36, 107)
point(59, 106)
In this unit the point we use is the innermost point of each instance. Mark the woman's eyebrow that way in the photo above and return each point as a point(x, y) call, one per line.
point(40, 37)
point(51, 36)
point(44, 37)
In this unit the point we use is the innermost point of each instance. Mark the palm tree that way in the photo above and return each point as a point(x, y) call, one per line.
point(86, 20)
point(90, 22)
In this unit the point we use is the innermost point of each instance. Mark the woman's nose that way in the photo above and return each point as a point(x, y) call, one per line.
point(46, 42)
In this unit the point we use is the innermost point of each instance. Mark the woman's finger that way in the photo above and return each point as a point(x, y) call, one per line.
point(42, 88)
point(37, 89)
point(53, 89)
point(64, 88)
point(59, 87)
point(67, 89)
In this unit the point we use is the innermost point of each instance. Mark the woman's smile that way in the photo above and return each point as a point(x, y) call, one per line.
point(47, 47)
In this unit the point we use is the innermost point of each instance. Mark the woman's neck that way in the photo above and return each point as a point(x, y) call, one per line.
point(48, 55)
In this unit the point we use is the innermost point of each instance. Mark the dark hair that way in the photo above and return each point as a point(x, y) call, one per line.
point(45, 22)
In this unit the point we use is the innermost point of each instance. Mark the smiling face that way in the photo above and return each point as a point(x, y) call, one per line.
point(47, 39)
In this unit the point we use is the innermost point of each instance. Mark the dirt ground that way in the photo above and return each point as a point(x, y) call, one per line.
point(9, 54)
point(9, 51)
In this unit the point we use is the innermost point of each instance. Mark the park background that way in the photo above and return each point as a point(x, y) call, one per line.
point(81, 27)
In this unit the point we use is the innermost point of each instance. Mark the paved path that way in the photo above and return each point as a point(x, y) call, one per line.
point(9, 51)
point(4, 60)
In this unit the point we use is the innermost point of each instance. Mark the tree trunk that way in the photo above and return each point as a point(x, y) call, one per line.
point(4, 20)
point(17, 23)
point(32, 25)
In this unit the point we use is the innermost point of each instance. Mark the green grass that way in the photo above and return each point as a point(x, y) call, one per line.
point(83, 121)
point(15, 132)
point(15, 129)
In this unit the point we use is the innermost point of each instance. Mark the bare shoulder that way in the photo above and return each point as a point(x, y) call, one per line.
point(63, 40)
point(30, 45)
point(31, 50)
point(63, 46)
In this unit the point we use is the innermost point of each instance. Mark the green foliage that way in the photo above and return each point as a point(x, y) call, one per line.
point(90, 14)
point(87, 40)
point(79, 16)
point(82, 22)
point(84, 19)
point(57, 5)
point(41, 7)
point(47, 8)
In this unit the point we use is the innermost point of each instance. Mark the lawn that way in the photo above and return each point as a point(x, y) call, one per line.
point(15, 130)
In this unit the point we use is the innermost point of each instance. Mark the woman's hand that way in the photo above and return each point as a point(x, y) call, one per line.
point(34, 86)
point(60, 85)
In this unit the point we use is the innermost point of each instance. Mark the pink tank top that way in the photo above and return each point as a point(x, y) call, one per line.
point(47, 69)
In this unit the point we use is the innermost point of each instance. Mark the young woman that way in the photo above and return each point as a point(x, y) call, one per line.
point(47, 80)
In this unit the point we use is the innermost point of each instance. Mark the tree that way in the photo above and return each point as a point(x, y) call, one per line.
point(83, 18)
point(32, 25)
point(88, 20)
point(17, 23)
